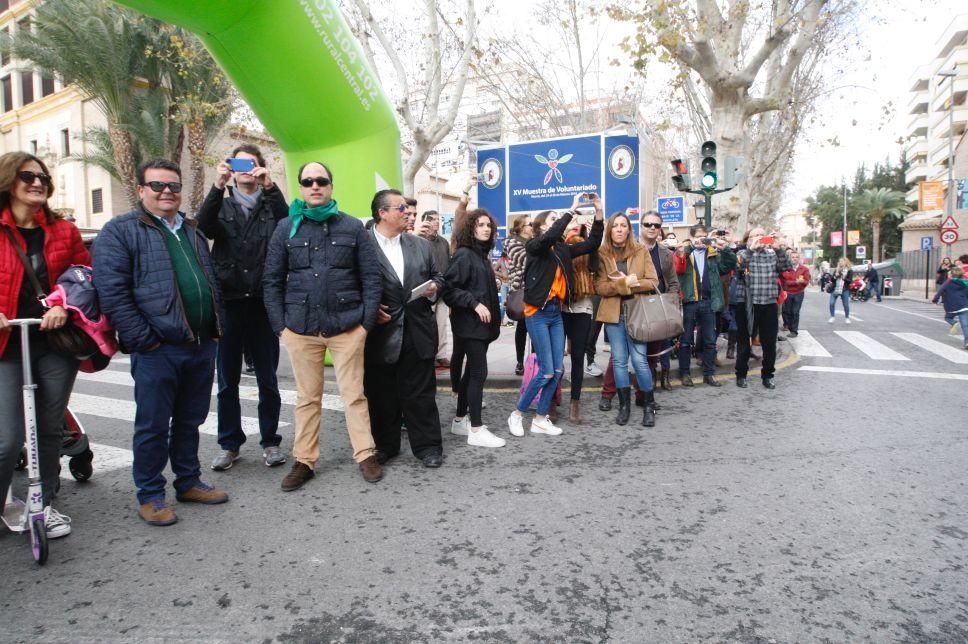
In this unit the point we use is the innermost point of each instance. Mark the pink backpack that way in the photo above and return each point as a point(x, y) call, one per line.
point(531, 367)
point(75, 292)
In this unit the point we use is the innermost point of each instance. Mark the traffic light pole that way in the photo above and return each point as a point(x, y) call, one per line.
point(708, 200)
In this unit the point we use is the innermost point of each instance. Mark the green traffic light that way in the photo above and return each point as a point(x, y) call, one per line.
point(709, 180)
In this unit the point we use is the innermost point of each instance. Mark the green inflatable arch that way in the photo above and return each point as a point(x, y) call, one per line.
point(301, 71)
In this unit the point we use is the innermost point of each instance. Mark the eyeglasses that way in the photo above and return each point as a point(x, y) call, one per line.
point(402, 208)
point(159, 186)
point(29, 177)
point(322, 182)
point(650, 225)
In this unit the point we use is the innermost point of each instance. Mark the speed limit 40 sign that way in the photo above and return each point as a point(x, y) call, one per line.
point(949, 236)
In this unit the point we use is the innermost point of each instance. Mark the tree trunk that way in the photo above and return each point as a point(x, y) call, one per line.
point(196, 161)
point(730, 209)
point(124, 162)
point(876, 242)
point(418, 156)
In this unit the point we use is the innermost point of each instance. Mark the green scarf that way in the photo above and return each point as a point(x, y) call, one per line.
point(962, 281)
point(298, 211)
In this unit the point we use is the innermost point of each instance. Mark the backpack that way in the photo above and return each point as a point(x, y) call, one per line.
point(75, 292)
point(531, 367)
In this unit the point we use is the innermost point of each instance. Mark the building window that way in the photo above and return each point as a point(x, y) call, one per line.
point(46, 85)
point(7, 90)
point(27, 87)
point(33, 148)
point(97, 201)
point(4, 5)
point(5, 55)
point(65, 142)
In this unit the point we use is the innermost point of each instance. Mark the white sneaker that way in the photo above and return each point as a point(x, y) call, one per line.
point(516, 424)
point(544, 426)
point(481, 437)
point(461, 426)
point(847, 321)
point(57, 524)
point(483, 404)
point(593, 370)
point(831, 320)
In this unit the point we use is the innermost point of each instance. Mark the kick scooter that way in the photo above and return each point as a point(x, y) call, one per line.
point(20, 516)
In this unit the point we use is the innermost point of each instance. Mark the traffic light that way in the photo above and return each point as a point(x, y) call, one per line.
point(732, 171)
point(681, 179)
point(708, 166)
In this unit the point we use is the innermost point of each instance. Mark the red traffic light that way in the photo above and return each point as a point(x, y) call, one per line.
point(679, 166)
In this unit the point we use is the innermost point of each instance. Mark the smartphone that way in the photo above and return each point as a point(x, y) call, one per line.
point(767, 240)
point(720, 233)
point(588, 196)
point(616, 275)
point(241, 165)
point(480, 177)
point(709, 241)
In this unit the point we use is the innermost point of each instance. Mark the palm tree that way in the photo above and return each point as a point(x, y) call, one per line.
point(878, 204)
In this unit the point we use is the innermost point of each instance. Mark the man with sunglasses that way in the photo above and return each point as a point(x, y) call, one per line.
point(322, 291)
point(240, 224)
point(156, 284)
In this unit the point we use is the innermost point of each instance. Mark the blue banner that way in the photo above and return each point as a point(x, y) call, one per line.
point(622, 176)
point(546, 175)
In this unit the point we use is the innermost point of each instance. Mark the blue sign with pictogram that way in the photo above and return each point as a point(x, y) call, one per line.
point(927, 243)
point(672, 209)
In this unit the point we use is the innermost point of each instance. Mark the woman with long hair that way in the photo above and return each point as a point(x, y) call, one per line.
point(51, 244)
point(839, 288)
point(941, 275)
point(625, 271)
point(577, 317)
point(521, 232)
point(549, 287)
point(475, 318)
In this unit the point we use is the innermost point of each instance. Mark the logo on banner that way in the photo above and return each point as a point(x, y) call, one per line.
point(621, 161)
point(491, 173)
point(552, 161)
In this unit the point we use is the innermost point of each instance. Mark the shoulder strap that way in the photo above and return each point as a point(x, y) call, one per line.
point(28, 268)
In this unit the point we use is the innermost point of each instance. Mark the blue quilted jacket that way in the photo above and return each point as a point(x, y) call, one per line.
point(136, 282)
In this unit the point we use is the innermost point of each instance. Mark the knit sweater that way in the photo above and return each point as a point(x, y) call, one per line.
point(196, 295)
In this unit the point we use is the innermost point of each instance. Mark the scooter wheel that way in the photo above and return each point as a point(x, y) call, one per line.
point(38, 541)
point(21, 461)
point(81, 467)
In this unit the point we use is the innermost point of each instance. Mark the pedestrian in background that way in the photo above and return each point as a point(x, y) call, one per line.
point(521, 232)
point(941, 275)
point(429, 229)
point(873, 280)
point(954, 293)
point(837, 284)
point(795, 282)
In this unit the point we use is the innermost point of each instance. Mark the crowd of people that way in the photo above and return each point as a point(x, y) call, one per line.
point(388, 302)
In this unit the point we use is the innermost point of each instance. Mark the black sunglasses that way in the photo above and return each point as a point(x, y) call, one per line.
point(651, 225)
point(402, 208)
point(159, 186)
point(322, 182)
point(29, 177)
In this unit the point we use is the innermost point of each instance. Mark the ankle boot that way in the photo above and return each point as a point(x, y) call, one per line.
point(574, 414)
point(731, 345)
point(664, 380)
point(624, 405)
point(648, 416)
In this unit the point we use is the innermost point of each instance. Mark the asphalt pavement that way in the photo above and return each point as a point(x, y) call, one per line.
point(831, 509)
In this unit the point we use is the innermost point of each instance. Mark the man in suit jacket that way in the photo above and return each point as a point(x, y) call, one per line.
point(399, 381)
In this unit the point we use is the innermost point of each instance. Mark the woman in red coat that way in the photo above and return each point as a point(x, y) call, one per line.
point(51, 244)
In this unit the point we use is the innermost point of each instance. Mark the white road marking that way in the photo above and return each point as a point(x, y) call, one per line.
point(949, 353)
point(920, 315)
point(884, 372)
point(874, 349)
point(106, 459)
point(807, 346)
point(853, 318)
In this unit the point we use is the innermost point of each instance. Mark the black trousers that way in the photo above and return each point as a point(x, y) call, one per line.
point(594, 330)
point(577, 326)
point(765, 324)
point(520, 340)
point(470, 391)
point(405, 391)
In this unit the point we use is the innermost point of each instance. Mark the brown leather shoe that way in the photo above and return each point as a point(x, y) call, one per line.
point(203, 493)
point(297, 476)
point(574, 413)
point(371, 469)
point(157, 513)
point(711, 381)
point(686, 380)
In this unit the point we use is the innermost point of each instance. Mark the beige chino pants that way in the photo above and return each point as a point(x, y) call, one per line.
point(307, 353)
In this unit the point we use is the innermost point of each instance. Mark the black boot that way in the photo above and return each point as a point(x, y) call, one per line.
point(624, 405)
point(664, 380)
point(648, 417)
point(605, 404)
point(731, 345)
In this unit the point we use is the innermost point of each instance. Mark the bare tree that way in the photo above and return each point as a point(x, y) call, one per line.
point(427, 96)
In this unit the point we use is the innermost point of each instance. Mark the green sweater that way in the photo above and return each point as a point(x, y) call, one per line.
point(193, 286)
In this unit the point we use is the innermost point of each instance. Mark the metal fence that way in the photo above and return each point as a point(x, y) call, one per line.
point(919, 268)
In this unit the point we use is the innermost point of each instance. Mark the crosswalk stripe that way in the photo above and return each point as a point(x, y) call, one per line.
point(899, 373)
point(106, 458)
point(949, 353)
point(807, 346)
point(871, 347)
point(246, 392)
point(853, 318)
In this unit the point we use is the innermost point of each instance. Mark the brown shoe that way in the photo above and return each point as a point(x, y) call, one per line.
point(574, 413)
point(686, 380)
point(371, 469)
point(157, 513)
point(297, 477)
point(203, 493)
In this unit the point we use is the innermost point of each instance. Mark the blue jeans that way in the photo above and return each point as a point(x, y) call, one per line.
point(247, 327)
point(791, 311)
point(961, 318)
point(700, 313)
point(873, 290)
point(845, 297)
point(172, 391)
point(547, 333)
point(623, 349)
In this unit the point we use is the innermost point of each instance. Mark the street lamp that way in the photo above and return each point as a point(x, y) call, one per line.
point(950, 75)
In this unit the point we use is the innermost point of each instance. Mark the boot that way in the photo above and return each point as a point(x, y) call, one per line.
point(731, 345)
point(574, 414)
point(648, 416)
point(624, 405)
point(605, 404)
point(664, 380)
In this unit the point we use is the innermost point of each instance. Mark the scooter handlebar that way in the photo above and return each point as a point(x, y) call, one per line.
point(24, 321)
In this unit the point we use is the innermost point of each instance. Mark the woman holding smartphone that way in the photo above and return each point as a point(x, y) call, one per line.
point(548, 288)
point(625, 271)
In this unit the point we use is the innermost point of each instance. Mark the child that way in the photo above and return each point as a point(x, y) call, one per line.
point(954, 292)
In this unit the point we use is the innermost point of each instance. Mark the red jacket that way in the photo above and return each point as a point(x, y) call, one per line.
point(790, 284)
point(62, 247)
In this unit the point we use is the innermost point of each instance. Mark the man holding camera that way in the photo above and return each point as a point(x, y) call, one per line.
point(240, 224)
point(429, 229)
point(700, 263)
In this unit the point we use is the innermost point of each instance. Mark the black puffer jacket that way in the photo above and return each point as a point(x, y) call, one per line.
point(239, 251)
point(470, 281)
point(547, 252)
point(324, 280)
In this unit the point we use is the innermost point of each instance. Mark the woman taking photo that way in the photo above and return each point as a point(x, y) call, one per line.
point(625, 270)
point(548, 287)
point(577, 317)
point(521, 232)
point(51, 244)
point(475, 319)
point(838, 285)
point(941, 275)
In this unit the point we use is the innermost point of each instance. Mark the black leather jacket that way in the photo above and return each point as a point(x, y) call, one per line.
point(547, 252)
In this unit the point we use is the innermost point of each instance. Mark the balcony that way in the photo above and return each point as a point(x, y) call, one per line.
point(918, 125)
point(917, 172)
point(918, 102)
point(939, 122)
point(943, 92)
point(916, 148)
